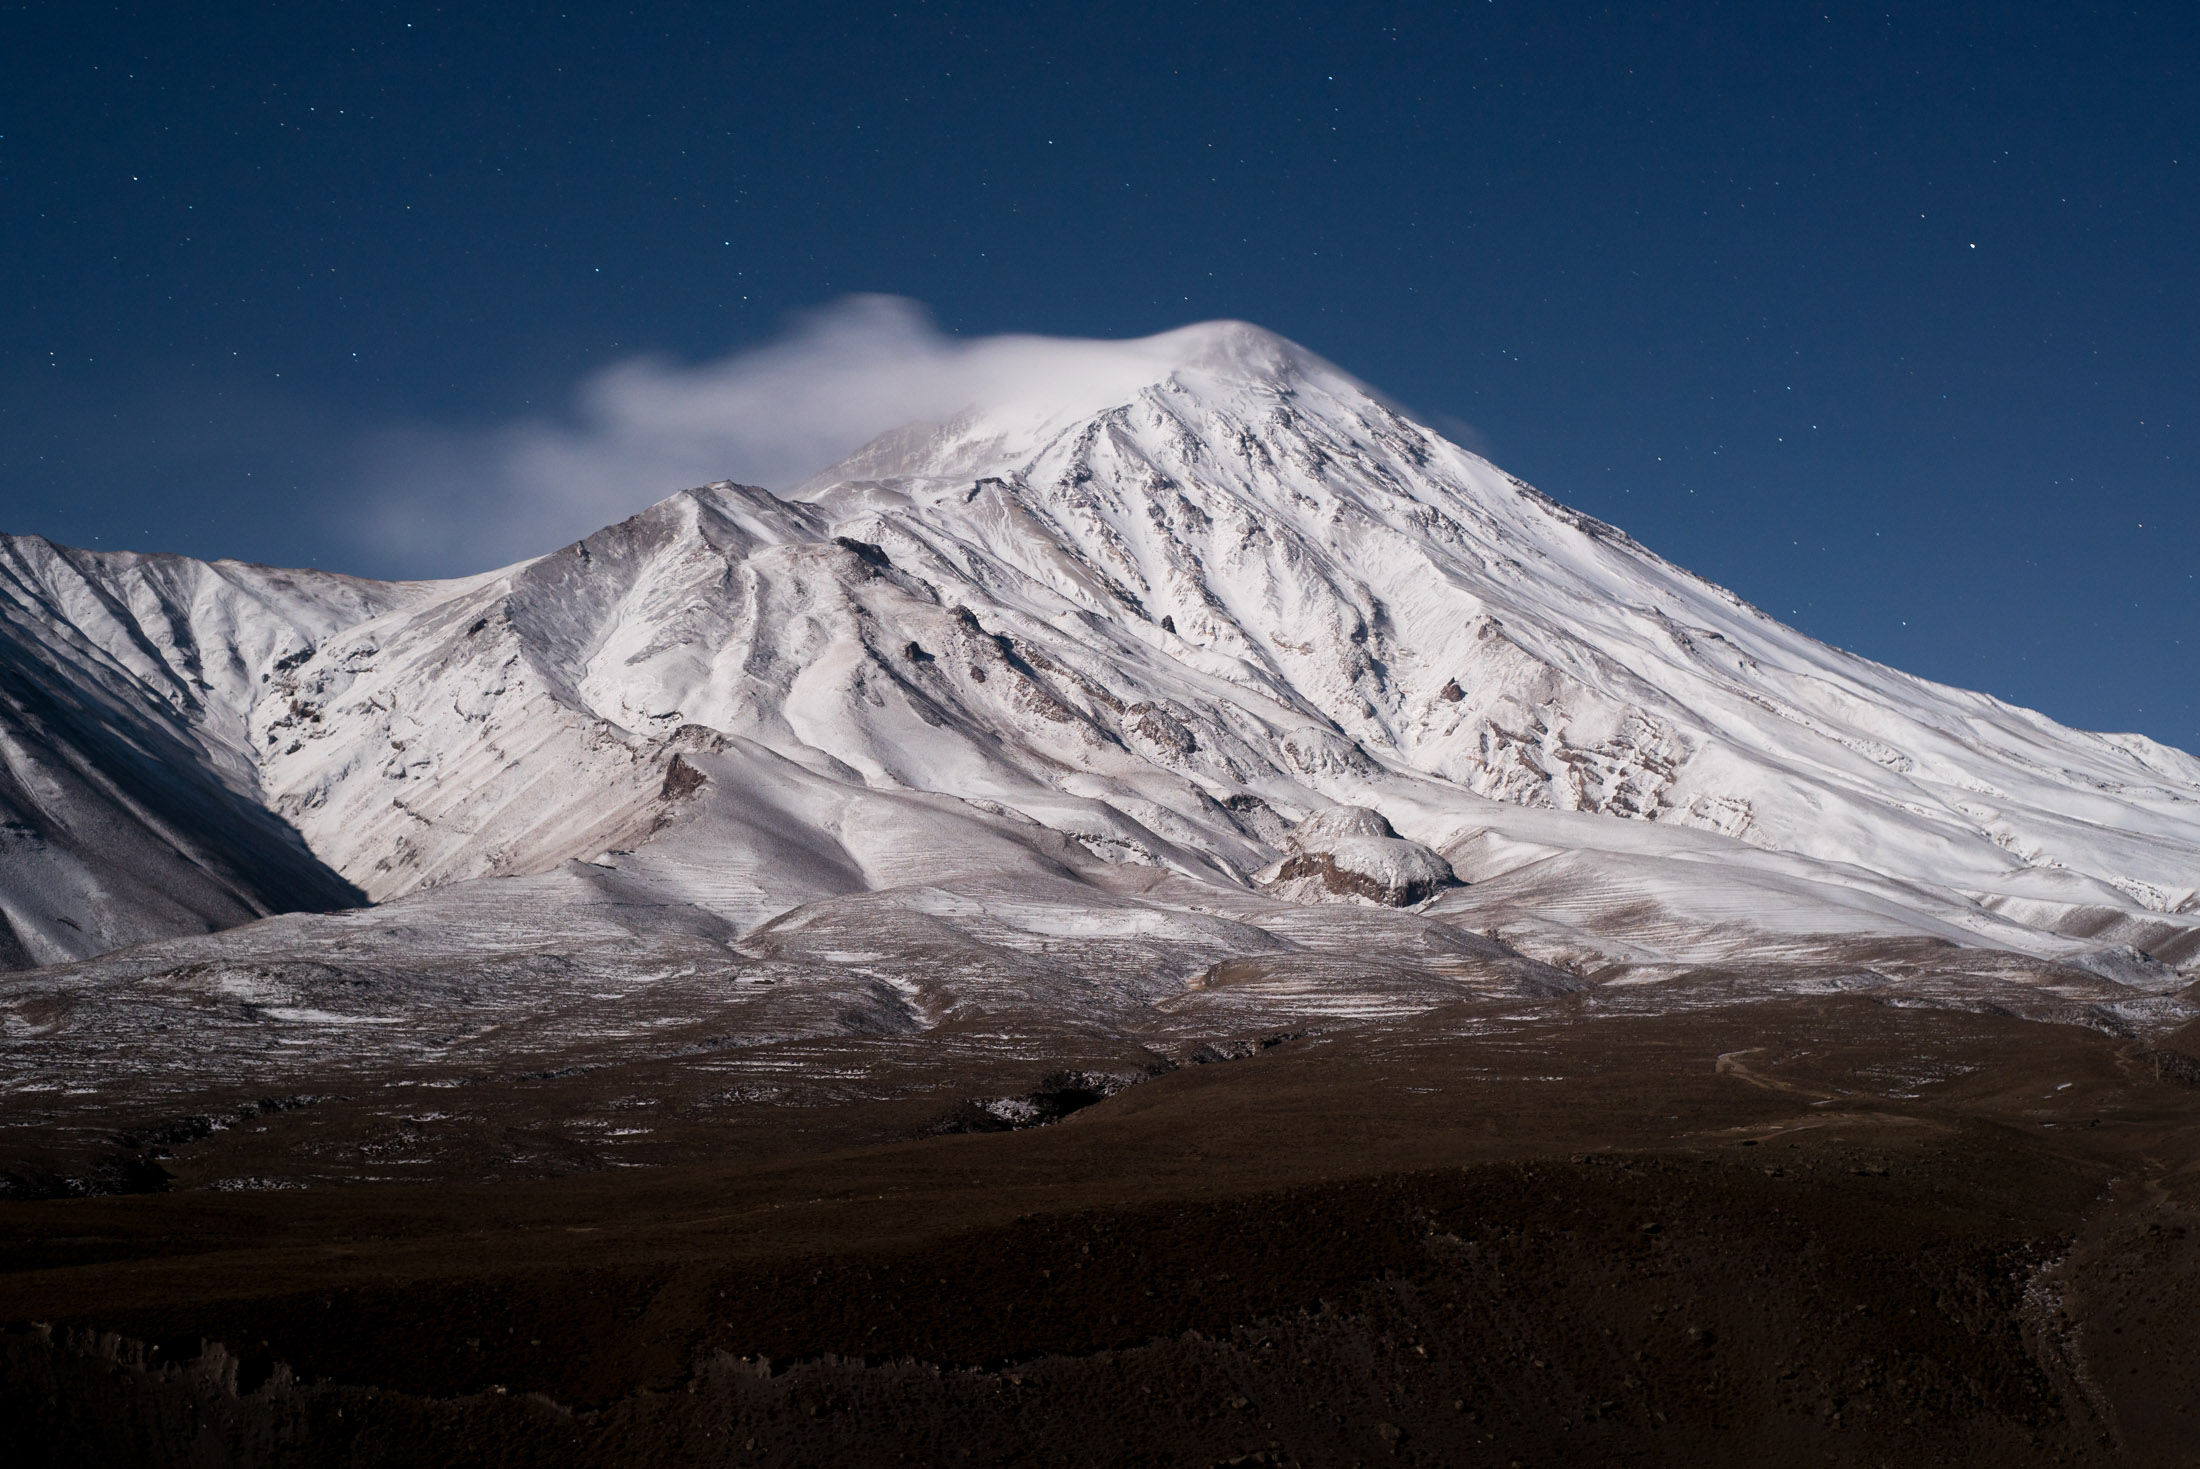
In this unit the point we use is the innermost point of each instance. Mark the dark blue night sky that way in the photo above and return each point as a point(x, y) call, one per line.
point(1883, 316)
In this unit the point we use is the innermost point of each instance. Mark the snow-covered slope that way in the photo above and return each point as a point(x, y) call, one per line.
point(130, 806)
point(1307, 545)
point(1153, 616)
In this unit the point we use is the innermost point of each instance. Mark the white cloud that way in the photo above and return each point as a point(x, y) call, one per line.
point(440, 501)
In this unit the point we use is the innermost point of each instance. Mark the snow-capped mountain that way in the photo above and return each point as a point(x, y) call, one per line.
point(1155, 617)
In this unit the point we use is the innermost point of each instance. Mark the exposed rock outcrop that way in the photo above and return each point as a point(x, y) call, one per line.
point(1349, 854)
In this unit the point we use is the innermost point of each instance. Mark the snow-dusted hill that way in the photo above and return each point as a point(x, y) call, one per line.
point(130, 804)
point(1153, 615)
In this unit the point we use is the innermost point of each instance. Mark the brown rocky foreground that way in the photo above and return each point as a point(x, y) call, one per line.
point(1823, 1230)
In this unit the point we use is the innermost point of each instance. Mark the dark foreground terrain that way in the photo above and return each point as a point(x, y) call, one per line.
point(1823, 1230)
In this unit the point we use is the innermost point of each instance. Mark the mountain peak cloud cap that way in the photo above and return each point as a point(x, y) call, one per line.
point(1062, 377)
point(1022, 389)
